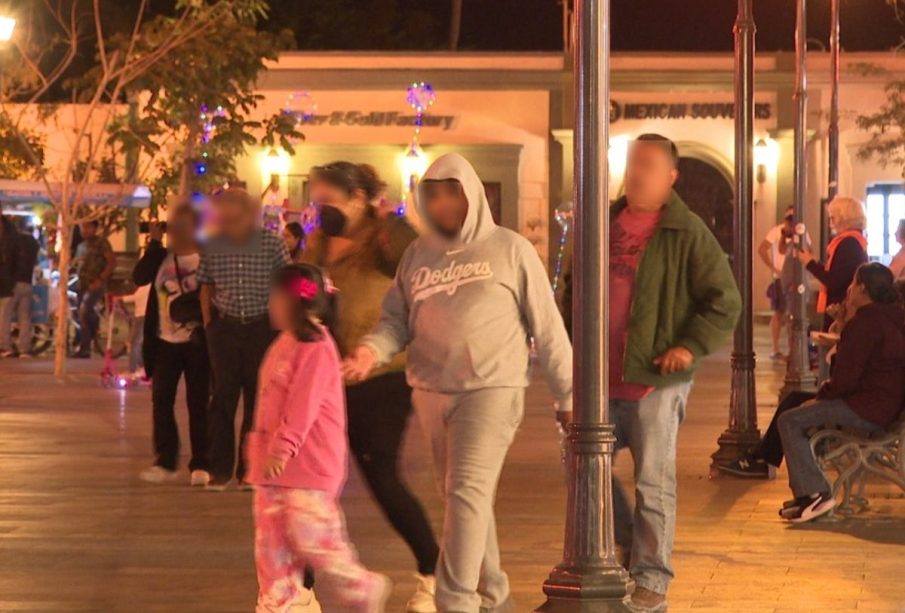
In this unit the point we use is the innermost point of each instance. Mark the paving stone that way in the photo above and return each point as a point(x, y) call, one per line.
point(79, 532)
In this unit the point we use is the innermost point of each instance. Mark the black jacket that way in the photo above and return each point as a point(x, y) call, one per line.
point(849, 256)
point(9, 256)
point(26, 258)
point(145, 273)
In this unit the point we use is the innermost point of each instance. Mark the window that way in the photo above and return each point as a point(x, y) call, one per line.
point(885, 208)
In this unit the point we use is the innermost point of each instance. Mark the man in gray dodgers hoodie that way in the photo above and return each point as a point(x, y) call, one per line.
point(467, 297)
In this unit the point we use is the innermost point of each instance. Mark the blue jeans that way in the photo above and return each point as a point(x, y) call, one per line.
point(805, 477)
point(649, 428)
point(88, 318)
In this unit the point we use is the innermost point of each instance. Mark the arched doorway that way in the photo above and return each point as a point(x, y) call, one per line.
point(707, 192)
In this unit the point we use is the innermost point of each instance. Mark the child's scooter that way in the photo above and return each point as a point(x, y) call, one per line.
point(109, 375)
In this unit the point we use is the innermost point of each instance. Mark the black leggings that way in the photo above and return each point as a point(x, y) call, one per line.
point(378, 411)
point(770, 448)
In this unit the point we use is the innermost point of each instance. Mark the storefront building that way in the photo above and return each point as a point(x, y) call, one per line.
point(511, 115)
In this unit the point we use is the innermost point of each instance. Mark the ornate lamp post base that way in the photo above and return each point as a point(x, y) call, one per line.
point(589, 578)
point(732, 446)
point(583, 592)
point(742, 435)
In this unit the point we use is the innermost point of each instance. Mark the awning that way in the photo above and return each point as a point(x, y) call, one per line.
point(98, 194)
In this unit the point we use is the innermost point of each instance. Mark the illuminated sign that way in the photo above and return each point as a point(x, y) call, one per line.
point(378, 119)
point(681, 110)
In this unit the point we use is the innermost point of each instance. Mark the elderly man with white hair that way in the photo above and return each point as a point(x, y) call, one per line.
point(845, 253)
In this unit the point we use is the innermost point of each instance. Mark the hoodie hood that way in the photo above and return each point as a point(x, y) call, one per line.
point(478, 221)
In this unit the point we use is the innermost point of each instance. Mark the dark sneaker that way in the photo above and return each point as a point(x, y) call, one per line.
point(793, 506)
point(818, 506)
point(747, 468)
point(644, 600)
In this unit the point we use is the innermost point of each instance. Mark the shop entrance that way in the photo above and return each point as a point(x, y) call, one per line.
point(707, 192)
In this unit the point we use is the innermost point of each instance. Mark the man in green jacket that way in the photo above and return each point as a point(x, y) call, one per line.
point(673, 300)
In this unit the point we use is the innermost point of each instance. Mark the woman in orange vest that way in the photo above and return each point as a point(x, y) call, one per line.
point(845, 253)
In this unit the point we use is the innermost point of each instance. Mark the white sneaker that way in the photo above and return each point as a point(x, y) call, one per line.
point(383, 591)
point(157, 474)
point(199, 478)
point(422, 601)
point(305, 603)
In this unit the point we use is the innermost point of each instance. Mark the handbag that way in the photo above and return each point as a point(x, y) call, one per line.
point(186, 307)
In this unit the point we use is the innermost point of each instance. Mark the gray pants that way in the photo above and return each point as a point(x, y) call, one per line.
point(805, 477)
point(18, 308)
point(470, 434)
point(649, 428)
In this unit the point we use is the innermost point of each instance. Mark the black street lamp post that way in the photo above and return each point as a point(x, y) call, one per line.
point(743, 434)
point(799, 376)
point(589, 578)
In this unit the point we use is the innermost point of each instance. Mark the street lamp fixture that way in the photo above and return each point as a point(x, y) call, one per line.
point(7, 27)
point(765, 158)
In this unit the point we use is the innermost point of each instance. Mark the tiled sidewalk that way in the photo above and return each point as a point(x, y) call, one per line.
point(79, 532)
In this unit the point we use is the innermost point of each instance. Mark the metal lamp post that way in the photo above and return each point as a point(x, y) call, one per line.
point(833, 134)
point(743, 434)
point(799, 376)
point(589, 578)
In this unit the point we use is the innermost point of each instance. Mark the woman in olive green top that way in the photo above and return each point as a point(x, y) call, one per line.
point(360, 249)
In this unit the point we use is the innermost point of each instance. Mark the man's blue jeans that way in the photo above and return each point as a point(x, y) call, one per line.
point(88, 318)
point(649, 428)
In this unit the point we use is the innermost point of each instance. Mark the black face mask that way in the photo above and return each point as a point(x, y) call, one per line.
point(333, 221)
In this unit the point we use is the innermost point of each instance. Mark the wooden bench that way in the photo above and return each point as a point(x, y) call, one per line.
point(847, 458)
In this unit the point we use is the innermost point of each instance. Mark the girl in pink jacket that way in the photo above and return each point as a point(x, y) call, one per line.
point(297, 459)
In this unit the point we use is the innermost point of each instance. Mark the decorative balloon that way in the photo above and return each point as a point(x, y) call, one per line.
point(300, 105)
point(208, 127)
point(420, 96)
point(565, 215)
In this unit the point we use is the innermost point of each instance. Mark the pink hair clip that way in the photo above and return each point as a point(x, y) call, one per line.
point(304, 288)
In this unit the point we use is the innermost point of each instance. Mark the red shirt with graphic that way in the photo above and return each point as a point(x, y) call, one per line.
point(629, 235)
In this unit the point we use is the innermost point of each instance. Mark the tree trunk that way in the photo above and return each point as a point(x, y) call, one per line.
point(188, 154)
point(61, 337)
point(455, 25)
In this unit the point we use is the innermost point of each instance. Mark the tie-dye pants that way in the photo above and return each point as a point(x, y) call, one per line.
point(295, 529)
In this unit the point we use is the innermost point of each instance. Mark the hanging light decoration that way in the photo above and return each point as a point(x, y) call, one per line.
point(420, 96)
point(208, 118)
point(300, 105)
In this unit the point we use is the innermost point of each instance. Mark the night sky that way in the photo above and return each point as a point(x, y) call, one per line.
point(638, 25)
point(654, 25)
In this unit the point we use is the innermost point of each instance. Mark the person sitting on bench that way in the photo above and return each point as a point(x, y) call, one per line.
point(865, 393)
point(762, 461)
